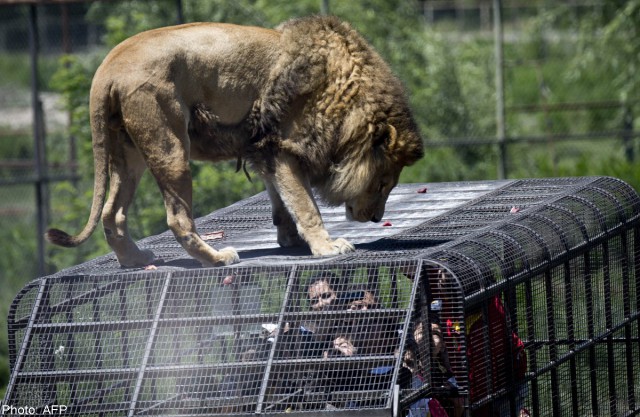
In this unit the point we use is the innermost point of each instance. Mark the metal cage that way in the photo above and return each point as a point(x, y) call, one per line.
point(481, 298)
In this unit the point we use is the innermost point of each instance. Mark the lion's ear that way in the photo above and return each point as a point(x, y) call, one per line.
point(385, 135)
point(393, 137)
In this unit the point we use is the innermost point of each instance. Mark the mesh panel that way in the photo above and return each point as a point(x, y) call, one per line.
point(221, 341)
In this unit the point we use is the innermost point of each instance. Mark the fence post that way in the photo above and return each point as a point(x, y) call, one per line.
point(324, 7)
point(179, 12)
point(39, 147)
point(500, 122)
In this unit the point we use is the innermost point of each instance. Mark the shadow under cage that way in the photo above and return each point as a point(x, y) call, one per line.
point(491, 298)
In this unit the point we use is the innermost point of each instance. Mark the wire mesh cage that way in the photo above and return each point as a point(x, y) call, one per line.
point(485, 299)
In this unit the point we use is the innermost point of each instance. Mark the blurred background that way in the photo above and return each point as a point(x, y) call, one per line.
point(500, 88)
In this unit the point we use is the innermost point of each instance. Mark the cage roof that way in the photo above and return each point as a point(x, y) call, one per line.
point(419, 219)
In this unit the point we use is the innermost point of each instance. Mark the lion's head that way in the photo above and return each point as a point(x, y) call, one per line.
point(371, 166)
point(358, 116)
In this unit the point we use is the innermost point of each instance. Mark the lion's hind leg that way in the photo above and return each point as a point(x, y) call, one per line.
point(176, 187)
point(163, 140)
point(126, 168)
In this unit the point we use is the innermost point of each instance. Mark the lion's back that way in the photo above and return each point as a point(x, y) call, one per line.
point(200, 49)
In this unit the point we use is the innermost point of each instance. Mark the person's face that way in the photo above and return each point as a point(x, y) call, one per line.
point(320, 295)
point(367, 301)
point(418, 332)
point(344, 346)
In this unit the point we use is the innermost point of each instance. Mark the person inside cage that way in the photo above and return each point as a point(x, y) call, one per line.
point(410, 376)
point(361, 335)
point(358, 375)
point(501, 364)
point(439, 350)
point(377, 334)
point(486, 361)
point(441, 372)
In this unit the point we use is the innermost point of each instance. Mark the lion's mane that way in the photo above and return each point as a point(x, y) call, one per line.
point(352, 97)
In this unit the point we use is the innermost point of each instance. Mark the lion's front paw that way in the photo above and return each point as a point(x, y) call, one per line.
point(333, 247)
point(223, 257)
point(229, 256)
point(343, 246)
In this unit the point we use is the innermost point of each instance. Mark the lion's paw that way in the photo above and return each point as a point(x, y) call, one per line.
point(343, 245)
point(225, 256)
point(334, 247)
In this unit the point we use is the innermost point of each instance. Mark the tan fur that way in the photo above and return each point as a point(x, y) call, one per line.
point(308, 105)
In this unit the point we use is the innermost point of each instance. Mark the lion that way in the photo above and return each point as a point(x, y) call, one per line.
point(308, 105)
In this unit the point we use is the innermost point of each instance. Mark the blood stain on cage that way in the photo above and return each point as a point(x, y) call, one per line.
point(422, 190)
point(514, 209)
point(387, 223)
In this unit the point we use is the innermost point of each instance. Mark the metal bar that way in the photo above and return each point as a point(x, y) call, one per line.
point(115, 373)
point(196, 369)
point(533, 270)
point(573, 368)
point(499, 66)
point(636, 273)
point(46, 356)
point(513, 384)
point(26, 342)
point(98, 344)
point(11, 327)
point(533, 358)
point(149, 346)
point(418, 282)
point(587, 345)
point(324, 7)
point(588, 289)
point(281, 319)
point(38, 139)
point(608, 314)
point(628, 331)
point(70, 348)
point(152, 314)
point(179, 12)
point(125, 335)
point(88, 327)
point(551, 329)
point(570, 106)
point(530, 139)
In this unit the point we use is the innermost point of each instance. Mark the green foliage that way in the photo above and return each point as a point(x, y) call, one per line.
point(15, 72)
point(609, 49)
point(15, 271)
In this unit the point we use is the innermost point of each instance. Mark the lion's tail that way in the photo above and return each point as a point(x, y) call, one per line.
point(100, 103)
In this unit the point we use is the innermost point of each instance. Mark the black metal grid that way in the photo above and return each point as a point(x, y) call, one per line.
point(532, 288)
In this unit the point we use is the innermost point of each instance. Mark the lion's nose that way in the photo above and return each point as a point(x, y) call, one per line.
point(375, 219)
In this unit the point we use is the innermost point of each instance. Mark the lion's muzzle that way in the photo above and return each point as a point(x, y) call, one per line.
point(372, 214)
